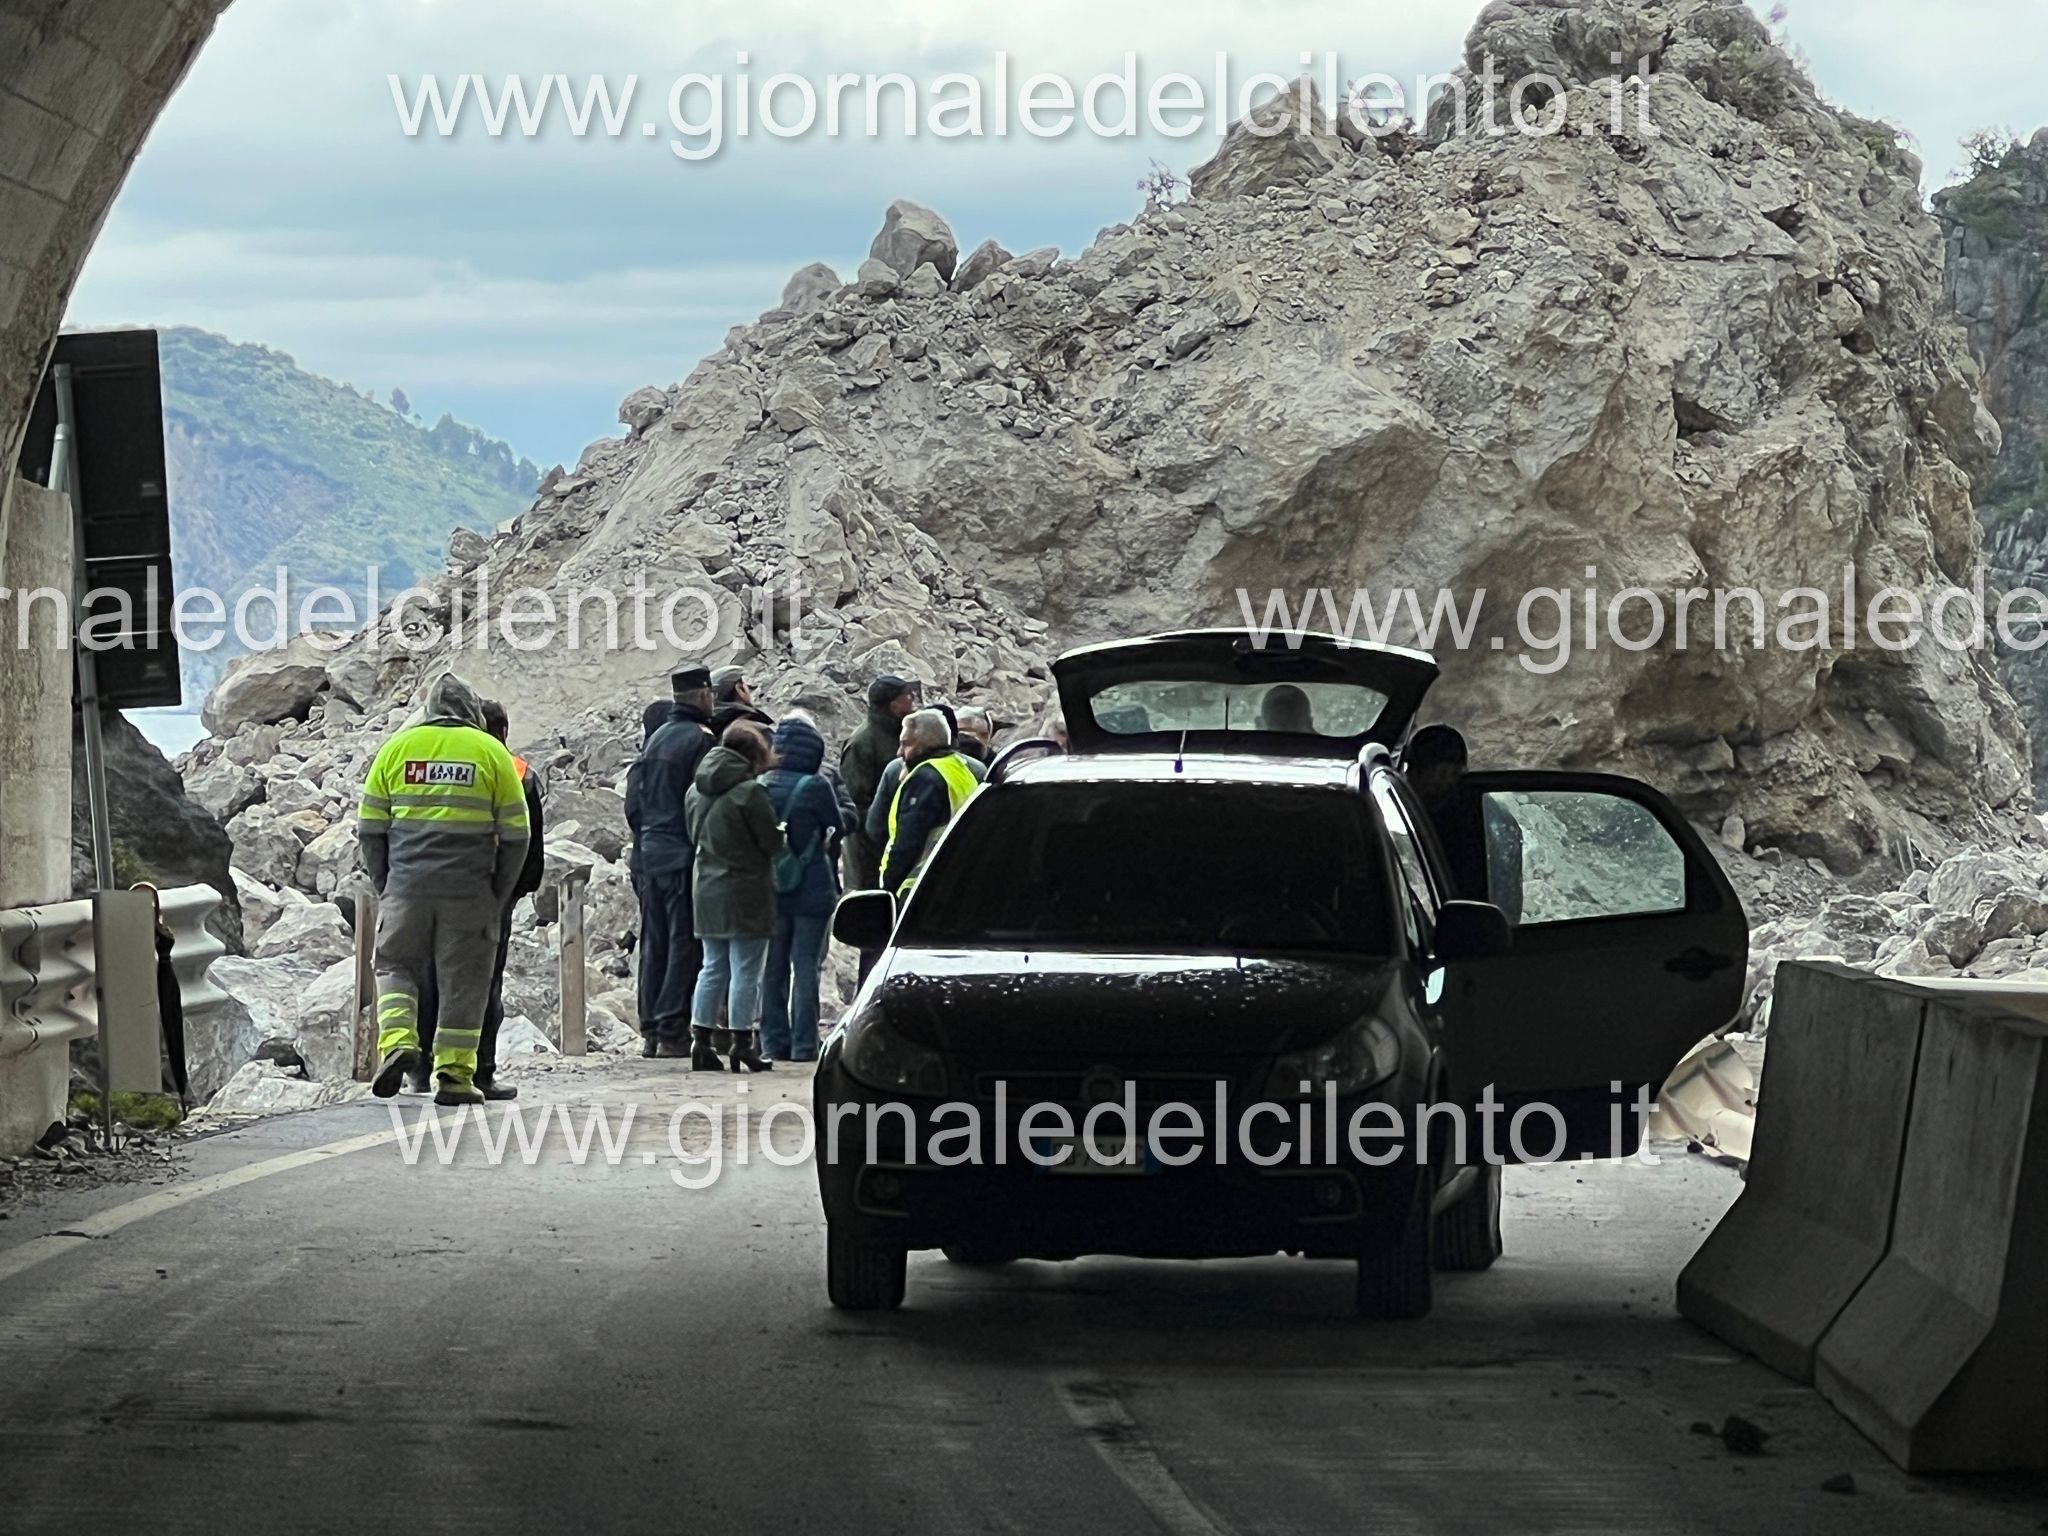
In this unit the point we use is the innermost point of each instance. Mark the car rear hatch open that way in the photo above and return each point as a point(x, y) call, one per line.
point(1232, 690)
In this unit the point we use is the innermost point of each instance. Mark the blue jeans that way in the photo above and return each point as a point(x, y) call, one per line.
point(789, 999)
point(734, 967)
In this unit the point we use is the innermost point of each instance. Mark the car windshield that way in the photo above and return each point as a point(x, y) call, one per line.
point(1175, 866)
point(1303, 709)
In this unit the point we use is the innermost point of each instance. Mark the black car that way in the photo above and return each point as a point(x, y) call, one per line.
point(1222, 925)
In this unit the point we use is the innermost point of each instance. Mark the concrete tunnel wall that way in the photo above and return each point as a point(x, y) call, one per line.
point(81, 83)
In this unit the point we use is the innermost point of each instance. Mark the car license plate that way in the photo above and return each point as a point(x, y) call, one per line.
point(1080, 1158)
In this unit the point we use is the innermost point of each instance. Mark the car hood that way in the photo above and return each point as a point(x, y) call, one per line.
point(984, 1002)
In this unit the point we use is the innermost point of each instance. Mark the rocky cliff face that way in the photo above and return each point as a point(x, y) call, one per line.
point(1995, 226)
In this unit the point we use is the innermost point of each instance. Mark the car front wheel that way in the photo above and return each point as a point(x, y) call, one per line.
point(1395, 1278)
point(862, 1276)
point(1468, 1234)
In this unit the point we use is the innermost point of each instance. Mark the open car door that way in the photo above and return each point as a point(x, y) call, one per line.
point(1630, 947)
point(1235, 690)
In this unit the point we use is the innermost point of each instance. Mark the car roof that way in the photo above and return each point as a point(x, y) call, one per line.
point(1195, 768)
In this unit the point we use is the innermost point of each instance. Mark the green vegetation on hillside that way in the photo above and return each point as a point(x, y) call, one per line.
point(273, 466)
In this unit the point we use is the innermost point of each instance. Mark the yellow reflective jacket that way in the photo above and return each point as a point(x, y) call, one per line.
point(960, 787)
point(447, 801)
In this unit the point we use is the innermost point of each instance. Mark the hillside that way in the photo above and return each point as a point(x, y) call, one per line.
point(1996, 279)
point(271, 465)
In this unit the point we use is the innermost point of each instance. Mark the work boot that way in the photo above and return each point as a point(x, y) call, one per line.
point(746, 1055)
point(671, 1049)
point(704, 1051)
point(650, 1047)
point(421, 1078)
point(453, 1091)
point(494, 1090)
point(398, 1063)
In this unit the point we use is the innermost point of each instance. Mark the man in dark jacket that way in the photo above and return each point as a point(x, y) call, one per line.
point(936, 783)
point(732, 699)
point(861, 764)
point(486, 1080)
point(1481, 840)
point(656, 785)
point(813, 819)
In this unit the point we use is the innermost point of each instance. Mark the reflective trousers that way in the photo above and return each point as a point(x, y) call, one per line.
point(453, 939)
point(494, 1010)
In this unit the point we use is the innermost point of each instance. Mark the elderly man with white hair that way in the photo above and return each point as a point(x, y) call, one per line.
point(936, 782)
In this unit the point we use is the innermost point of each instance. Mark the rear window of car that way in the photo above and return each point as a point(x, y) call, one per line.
point(1177, 866)
point(1341, 710)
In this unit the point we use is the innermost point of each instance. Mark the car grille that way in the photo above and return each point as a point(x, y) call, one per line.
point(1073, 1088)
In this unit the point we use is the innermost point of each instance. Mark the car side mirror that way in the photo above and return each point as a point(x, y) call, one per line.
point(864, 919)
point(1471, 930)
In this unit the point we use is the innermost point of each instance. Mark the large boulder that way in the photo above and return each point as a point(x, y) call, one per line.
point(326, 1024)
point(913, 235)
point(265, 687)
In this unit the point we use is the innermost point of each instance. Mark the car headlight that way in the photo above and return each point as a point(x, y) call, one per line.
point(1363, 1053)
point(880, 1057)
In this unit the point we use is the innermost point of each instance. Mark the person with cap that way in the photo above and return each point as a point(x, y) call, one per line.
point(861, 763)
point(733, 699)
point(975, 735)
point(1480, 837)
point(936, 782)
point(657, 785)
point(443, 828)
point(498, 724)
point(813, 819)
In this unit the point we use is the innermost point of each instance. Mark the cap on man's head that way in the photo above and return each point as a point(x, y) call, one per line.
point(689, 679)
point(725, 679)
point(887, 688)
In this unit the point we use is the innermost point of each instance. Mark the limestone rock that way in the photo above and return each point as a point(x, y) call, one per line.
point(810, 287)
point(913, 235)
point(314, 934)
point(326, 1022)
point(1284, 139)
point(267, 686)
point(982, 263)
point(643, 408)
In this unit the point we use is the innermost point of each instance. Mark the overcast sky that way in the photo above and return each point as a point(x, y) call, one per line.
point(528, 286)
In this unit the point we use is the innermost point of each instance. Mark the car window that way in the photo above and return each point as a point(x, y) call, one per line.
point(1306, 709)
point(1173, 866)
point(1411, 864)
point(1564, 855)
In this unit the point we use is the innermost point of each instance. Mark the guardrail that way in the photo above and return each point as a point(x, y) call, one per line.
point(48, 974)
point(47, 993)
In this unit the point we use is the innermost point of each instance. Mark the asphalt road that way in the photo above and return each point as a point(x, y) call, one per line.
point(295, 1339)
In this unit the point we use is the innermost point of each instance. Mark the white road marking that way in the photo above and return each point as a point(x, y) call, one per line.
point(39, 1249)
point(1096, 1409)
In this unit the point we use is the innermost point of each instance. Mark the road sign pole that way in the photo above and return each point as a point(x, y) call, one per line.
point(64, 474)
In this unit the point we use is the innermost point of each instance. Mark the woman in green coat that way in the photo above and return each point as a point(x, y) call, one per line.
point(732, 827)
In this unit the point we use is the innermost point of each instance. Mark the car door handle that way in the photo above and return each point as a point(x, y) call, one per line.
point(1698, 964)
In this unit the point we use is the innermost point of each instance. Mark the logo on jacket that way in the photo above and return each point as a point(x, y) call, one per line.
point(417, 772)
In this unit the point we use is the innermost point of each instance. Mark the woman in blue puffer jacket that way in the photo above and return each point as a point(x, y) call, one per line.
point(812, 816)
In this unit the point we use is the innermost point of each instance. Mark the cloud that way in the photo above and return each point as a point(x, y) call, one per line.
point(528, 285)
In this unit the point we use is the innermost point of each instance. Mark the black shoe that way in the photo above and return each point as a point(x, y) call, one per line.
point(397, 1066)
point(458, 1093)
point(420, 1079)
point(494, 1090)
point(649, 1047)
point(746, 1056)
point(704, 1054)
point(671, 1050)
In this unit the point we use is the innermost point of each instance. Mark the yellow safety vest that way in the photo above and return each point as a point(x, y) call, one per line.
point(444, 796)
point(960, 787)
